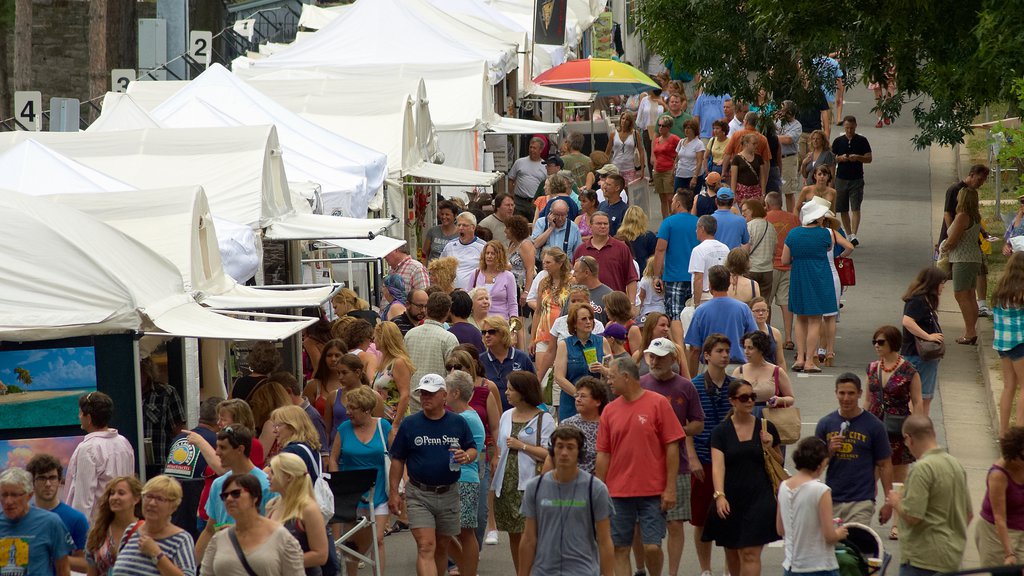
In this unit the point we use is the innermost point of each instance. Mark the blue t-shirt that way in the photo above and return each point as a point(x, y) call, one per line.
point(76, 523)
point(709, 108)
point(851, 470)
point(355, 455)
point(471, 472)
point(215, 506)
point(723, 315)
point(829, 66)
point(716, 406)
point(423, 444)
point(37, 540)
point(680, 231)
point(732, 228)
point(616, 213)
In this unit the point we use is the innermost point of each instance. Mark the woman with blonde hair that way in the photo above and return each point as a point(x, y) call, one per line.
point(495, 276)
point(500, 349)
point(633, 231)
point(818, 154)
point(626, 147)
point(663, 149)
point(393, 379)
point(442, 272)
point(296, 509)
point(965, 258)
point(481, 305)
point(294, 434)
point(347, 303)
point(552, 293)
point(116, 513)
point(157, 546)
point(1007, 325)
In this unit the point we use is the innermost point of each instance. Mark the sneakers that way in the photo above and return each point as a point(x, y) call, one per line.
point(984, 312)
point(853, 240)
point(492, 538)
point(706, 573)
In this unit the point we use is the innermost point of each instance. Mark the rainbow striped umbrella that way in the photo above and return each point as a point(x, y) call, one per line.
point(602, 75)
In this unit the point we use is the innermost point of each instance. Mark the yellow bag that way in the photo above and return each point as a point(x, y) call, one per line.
point(986, 246)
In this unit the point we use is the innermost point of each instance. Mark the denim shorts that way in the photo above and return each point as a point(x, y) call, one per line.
point(929, 371)
point(643, 510)
point(1014, 354)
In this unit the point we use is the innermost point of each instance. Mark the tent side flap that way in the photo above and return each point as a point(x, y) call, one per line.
point(503, 125)
point(315, 226)
point(241, 297)
point(453, 175)
point(193, 321)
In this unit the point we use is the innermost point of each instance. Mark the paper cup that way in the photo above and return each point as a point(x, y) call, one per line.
point(590, 354)
point(898, 487)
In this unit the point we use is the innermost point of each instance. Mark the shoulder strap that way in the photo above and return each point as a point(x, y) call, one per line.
point(540, 422)
point(239, 552)
point(315, 460)
point(380, 430)
point(775, 376)
point(590, 502)
point(128, 535)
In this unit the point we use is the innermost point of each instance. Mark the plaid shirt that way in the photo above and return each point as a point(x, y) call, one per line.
point(1008, 325)
point(413, 274)
point(161, 411)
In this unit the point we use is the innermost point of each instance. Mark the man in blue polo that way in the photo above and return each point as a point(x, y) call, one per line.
point(732, 228)
point(677, 238)
point(720, 315)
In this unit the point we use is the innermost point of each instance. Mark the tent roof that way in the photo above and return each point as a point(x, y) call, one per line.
point(341, 167)
point(116, 285)
point(120, 112)
point(240, 168)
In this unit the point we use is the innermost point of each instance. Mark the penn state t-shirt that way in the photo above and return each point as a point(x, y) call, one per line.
point(423, 444)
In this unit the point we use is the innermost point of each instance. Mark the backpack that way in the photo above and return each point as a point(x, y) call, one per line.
point(321, 488)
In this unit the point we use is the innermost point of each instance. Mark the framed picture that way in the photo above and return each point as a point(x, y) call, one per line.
point(19, 452)
point(39, 387)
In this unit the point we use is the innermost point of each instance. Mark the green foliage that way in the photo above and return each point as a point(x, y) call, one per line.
point(950, 57)
point(24, 376)
point(14, 389)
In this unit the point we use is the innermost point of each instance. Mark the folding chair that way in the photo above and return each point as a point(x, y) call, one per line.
point(350, 489)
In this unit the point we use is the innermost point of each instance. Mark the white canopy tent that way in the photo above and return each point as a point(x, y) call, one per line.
point(120, 112)
point(78, 276)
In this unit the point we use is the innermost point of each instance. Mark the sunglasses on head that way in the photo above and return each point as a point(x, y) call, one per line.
point(745, 397)
point(236, 494)
point(489, 332)
point(450, 367)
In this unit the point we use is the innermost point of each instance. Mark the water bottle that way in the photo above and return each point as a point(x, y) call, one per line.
point(452, 464)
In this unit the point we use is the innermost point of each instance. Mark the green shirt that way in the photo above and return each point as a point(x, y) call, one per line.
point(677, 124)
point(579, 165)
point(936, 493)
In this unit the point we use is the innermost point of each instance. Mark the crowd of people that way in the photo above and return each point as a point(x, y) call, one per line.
point(552, 369)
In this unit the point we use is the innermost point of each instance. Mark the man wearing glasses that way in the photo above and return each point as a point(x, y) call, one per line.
point(234, 444)
point(47, 476)
point(556, 229)
point(32, 540)
point(415, 312)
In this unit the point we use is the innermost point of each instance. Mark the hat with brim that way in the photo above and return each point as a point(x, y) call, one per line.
point(813, 211)
point(608, 169)
point(431, 383)
point(661, 347)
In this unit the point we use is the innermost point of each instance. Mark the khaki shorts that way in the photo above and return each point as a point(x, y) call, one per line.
point(790, 174)
point(438, 512)
point(860, 512)
point(663, 182)
point(780, 288)
point(990, 548)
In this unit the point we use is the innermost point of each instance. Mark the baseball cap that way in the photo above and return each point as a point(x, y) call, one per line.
point(431, 383)
point(713, 178)
point(661, 347)
point(615, 330)
point(724, 193)
point(553, 159)
point(608, 169)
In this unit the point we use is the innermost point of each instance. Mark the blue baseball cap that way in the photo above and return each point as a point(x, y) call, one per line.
point(724, 193)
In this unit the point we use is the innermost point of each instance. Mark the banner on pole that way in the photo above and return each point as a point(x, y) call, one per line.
point(549, 22)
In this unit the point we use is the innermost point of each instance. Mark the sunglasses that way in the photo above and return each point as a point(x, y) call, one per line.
point(745, 397)
point(664, 125)
point(450, 367)
point(236, 494)
point(489, 332)
point(880, 342)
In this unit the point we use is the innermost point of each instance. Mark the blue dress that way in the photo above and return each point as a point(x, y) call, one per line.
point(811, 291)
point(577, 367)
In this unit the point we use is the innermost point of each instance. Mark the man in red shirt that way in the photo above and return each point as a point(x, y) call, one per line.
point(783, 222)
point(614, 258)
point(638, 458)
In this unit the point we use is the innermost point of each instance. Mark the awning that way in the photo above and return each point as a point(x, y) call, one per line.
point(193, 321)
point(241, 297)
point(503, 125)
point(539, 92)
point(379, 247)
point(313, 226)
point(454, 175)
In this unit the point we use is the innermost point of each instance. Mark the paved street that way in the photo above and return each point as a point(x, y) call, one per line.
point(896, 241)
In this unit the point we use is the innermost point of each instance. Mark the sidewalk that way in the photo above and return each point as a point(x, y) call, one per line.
point(970, 381)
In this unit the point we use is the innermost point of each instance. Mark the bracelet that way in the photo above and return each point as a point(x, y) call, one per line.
point(159, 557)
point(1009, 555)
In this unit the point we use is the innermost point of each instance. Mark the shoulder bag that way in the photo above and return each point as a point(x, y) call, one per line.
point(239, 552)
point(786, 420)
point(844, 269)
point(540, 421)
point(927, 349)
point(638, 151)
point(321, 488)
point(776, 473)
point(387, 457)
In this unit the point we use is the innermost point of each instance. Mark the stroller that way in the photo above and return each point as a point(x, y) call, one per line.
point(861, 553)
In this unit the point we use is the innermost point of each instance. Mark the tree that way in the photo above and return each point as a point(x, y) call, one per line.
point(23, 375)
point(950, 57)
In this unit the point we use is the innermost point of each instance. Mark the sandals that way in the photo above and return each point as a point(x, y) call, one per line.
point(811, 370)
point(788, 345)
point(830, 359)
point(395, 528)
point(967, 341)
point(894, 534)
point(798, 367)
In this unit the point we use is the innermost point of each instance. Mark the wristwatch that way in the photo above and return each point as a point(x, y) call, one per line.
point(718, 495)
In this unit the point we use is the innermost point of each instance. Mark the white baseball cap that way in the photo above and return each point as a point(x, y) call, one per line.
point(661, 347)
point(431, 383)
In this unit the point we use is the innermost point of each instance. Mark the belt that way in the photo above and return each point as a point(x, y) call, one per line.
point(428, 488)
point(788, 155)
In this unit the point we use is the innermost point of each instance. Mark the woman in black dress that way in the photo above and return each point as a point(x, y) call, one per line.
point(743, 521)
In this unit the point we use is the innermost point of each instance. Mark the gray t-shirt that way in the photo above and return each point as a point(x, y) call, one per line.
point(597, 302)
point(437, 241)
point(565, 529)
point(528, 176)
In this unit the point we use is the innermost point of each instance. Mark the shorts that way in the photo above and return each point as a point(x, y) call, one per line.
point(929, 372)
point(1013, 354)
point(438, 512)
point(685, 181)
point(774, 183)
point(990, 547)
point(676, 295)
point(849, 195)
point(700, 497)
point(860, 511)
point(790, 175)
point(381, 510)
point(964, 275)
point(984, 264)
point(764, 282)
point(642, 510)
point(779, 293)
point(663, 182)
point(469, 503)
point(681, 511)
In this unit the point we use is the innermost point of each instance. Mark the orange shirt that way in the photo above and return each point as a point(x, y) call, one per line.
point(635, 434)
point(783, 222)
point(733, 147)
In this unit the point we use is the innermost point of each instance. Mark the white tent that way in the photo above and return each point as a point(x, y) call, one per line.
point(70, 275)
point(120, 112)
point(349, 174)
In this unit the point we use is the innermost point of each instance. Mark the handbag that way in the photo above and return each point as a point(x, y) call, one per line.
point(942, 261)
point(847, 273)
point(387, 457)
point(786, 420)
point(776, 473)
point(893, 422)
point(239, 552)
point(539, 466)
point(927, 349)
point(638, 159)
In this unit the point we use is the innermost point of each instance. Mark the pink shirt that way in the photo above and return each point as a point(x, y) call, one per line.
point(504, 297)
point(102, 456)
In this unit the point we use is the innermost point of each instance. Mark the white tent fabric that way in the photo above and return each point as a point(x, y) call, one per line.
point(520, 126)
point(456, 175)
point(316, 17)
point(366, 33)
point(78, 276)
point(349, 174)
point(379, 247)
point(549, 93)
point(240, 168)
point(34, 169)
point(149, 95)
point(313, 226)
point(120, 112)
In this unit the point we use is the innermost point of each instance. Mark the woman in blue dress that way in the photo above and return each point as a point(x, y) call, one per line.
point(811, 292)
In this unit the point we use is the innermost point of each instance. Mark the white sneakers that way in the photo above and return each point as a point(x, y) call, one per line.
point(491, 538)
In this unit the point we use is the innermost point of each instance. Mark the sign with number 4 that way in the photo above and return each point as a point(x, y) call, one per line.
point(200, 46)
point(28, 110)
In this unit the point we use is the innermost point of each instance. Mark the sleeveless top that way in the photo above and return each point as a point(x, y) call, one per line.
point(479, 403)
point(294, 528)
point(805, 548)
point(584, 226)
point(339, 411)
point(1014, 502)
point(968, 249)
point(622, 152)
point(515, 261)
point(765, 390)
point(627, 326)
point(384, 384)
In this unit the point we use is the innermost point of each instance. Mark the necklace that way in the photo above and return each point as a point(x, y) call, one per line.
point(895, 364)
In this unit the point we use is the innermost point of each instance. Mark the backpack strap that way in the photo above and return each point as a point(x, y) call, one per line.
point(590, 503)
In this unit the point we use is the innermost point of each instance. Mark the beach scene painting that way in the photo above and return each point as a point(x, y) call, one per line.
point(40, 388)
point(19, 452)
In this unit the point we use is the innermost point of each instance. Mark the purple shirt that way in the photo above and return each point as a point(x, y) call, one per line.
point(466, 333)
point(504, 294)
point(682, 396)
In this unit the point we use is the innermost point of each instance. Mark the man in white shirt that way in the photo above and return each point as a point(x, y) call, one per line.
point(466, 249)
point(708, 253)
point(504, 208)
point(526, 174)
point(734, 113)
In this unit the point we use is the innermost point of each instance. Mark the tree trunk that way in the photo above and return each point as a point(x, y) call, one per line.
point(23, 45)
point(113, 27)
